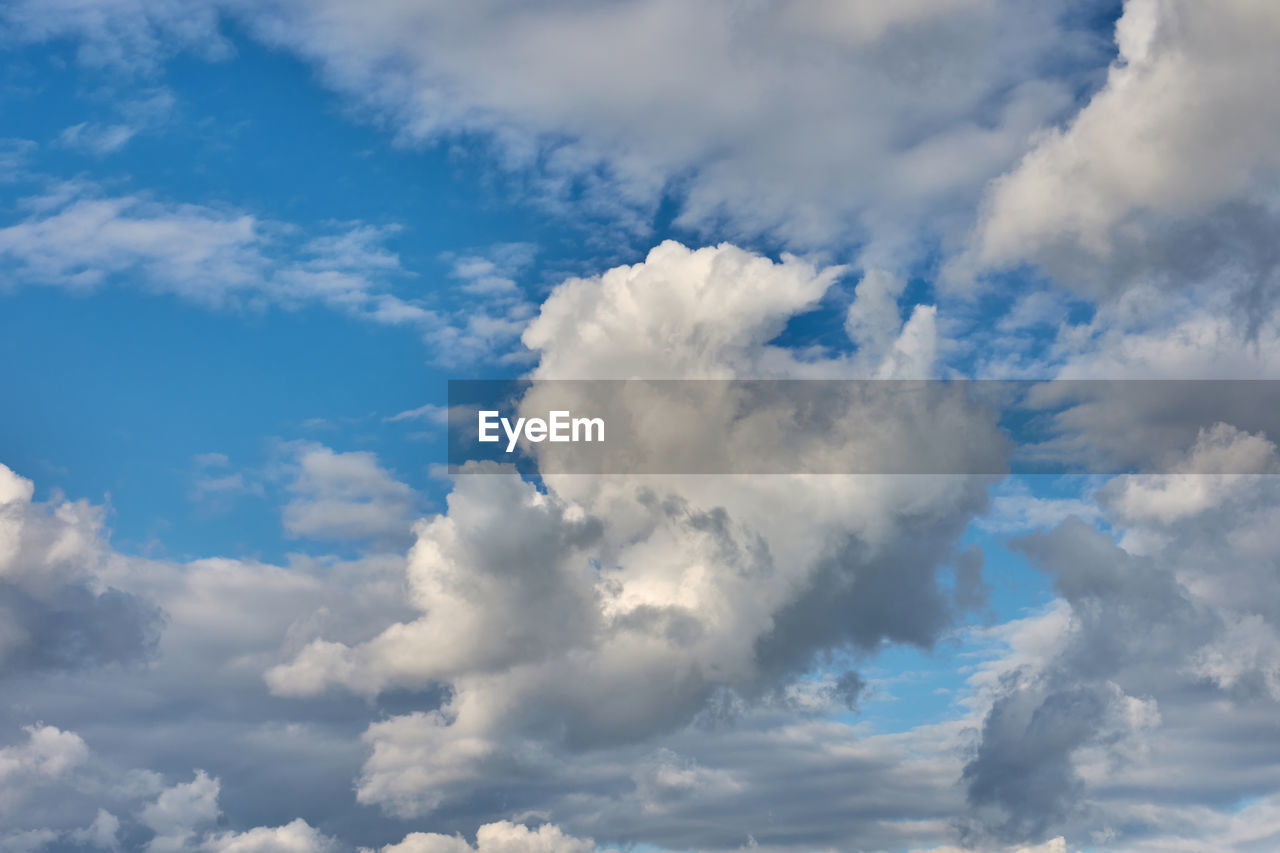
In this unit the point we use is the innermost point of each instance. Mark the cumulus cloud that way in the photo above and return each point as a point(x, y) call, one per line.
point(1168, 174)
point(47, 754)
point(500, 837)
point(183, 817)
point(602, 612)
point(58, 611)
point(295, 837)
point(1159, 657)
point(179, 811)
point(658, 660)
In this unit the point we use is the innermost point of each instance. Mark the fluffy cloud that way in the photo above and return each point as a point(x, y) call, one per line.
point(848, 116)
point(47, 754)
point(180, 818)
point(1169, 171)
point(500, 837)
point(200, 697)
point(58, 611)
point(1161, 660)
point(345, 496)
point(179, 811)
point(836, 122)
point(295, 837)
point(603, 612)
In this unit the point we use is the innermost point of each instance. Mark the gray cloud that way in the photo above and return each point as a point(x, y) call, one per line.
point(1163, 665)
point(55, 610)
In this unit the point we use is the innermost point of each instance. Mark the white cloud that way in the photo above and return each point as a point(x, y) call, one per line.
point(180, 818)
point(1185, 124)
point(57, 609)
point(345, 496)
point(134, 36)
point(97, 138)
point(862, 134)
point(48, 753)
point(431, 413)
point(1014, 508)
point(295, 837)
point(78, 238)
point(500, 837)
point(179, 811)
point(1198, 481)
point(101, 833)
point(607, 611)
point(851, 121)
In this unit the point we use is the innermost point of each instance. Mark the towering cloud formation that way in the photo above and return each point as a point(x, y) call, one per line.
point(604, 611)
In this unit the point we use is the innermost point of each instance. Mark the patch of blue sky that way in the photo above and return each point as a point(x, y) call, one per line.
point(121, 389)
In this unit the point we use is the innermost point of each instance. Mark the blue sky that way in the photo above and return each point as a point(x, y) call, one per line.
point(245, 246)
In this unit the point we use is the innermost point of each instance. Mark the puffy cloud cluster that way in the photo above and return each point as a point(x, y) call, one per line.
point(500, 837)
point(56, 612)
point(1166, 180)
point(1163, 660)
point(601, 612)
point(884, 121)
point(186, 817)
point(178, 818)
point(47, 754)
point(666, 659)
point(1183, 124)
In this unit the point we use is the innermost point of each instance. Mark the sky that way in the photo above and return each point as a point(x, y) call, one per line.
point(246, 608)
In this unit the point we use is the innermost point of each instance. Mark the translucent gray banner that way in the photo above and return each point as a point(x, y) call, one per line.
point(983, 427)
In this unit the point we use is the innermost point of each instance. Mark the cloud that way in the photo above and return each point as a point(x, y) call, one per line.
point(133, 37)
point(597, 613)
point(1167, 170)
point(47, 754)
point(203, 254)
point(179, 811)
point(178, 818)
point(78, 238)
point(295, 837)
point(500, 837)
point(850, 122)
point(494, 308)
point(1158, 658)
point(613, 104)
point(58, 614)
point(134, 115)
point(345, 496)
point(431, 413)
point(199, 701)
point(97, 138)
point(101, 834)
